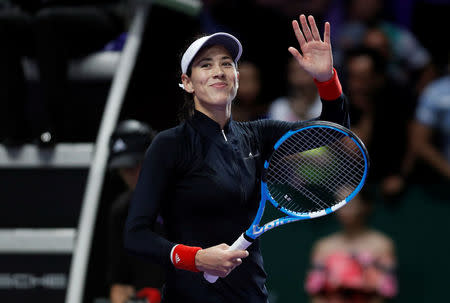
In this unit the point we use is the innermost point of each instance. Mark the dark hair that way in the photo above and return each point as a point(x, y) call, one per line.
point(186, 110)
point(379, 63)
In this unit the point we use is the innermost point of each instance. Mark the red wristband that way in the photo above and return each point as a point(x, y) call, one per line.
point(153, 295)
point(331, 89)
point(183, 257)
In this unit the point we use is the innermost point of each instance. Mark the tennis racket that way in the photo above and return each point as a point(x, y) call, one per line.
point(313, 171)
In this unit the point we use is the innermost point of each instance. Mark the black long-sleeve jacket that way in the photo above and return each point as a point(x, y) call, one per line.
point(205, 182)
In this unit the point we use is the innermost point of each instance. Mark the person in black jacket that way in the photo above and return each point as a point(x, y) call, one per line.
point(203, 175)
point(127, 276)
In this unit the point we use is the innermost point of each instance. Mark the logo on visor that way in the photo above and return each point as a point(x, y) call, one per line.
point(119, 146)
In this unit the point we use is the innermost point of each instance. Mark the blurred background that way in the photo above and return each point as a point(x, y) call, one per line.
point(84, 81)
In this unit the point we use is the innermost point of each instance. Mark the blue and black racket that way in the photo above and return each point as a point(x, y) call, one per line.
point(313, 171)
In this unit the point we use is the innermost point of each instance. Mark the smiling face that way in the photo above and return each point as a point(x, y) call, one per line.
point(213, 80)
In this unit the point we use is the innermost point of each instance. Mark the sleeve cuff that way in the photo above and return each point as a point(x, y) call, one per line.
point(331, 89)
point(183, 257)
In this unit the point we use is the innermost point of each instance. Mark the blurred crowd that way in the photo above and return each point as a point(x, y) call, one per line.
point(392, 73)
point(393, 68)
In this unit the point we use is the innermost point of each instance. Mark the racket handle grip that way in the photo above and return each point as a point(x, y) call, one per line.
point(240, 243)
point(210, 278)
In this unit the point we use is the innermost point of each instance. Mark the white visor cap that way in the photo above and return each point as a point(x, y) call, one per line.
point(230, 42)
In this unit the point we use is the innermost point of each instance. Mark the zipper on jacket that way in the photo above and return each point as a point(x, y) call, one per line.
point(225, 137)
point(236, 170)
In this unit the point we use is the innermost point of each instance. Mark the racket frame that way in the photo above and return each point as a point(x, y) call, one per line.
point(255, 230)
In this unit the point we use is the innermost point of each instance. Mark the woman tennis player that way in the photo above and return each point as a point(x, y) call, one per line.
point(203, 175)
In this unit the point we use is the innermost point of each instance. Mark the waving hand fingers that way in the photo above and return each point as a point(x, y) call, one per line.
point(315, 57)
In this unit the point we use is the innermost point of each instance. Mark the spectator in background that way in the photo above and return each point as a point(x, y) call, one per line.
point(380, 112)
point(128, 276)
point(355, 264)
point(52, 33)
point(430, 134)
point(377, 39)
point(406, 51)
point(247, 105)
point(302, 102)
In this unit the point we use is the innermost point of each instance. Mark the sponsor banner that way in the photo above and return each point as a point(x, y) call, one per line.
point(34, 278)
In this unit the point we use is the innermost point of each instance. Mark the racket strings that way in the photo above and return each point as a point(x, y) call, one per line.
point(317, 165)
point(293, 150)
point(292, 179)
point(343, 163)
point(292, 204)
point(347, 163)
